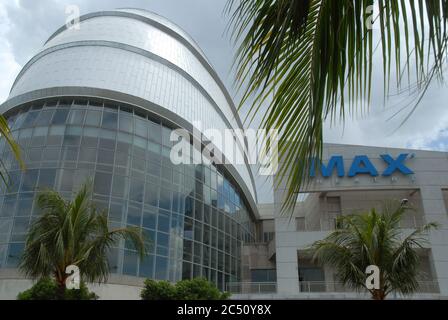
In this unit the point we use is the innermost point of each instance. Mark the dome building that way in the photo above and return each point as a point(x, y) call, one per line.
point(100, 102)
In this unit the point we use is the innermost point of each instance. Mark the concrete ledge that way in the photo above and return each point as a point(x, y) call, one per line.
point(118, 287)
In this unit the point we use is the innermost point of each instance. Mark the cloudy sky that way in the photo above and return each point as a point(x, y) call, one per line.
point(26, 24)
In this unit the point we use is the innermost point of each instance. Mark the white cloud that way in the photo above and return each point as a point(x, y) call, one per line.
point(9, 68)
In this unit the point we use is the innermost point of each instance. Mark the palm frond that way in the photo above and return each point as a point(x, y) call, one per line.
point(72, 232)
point(5, 133)
point(301, 62)
point(375, 238)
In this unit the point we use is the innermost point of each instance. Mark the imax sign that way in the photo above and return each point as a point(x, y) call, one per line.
point(362, 165)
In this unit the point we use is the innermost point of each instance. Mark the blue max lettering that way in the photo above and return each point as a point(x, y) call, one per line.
point(362, 165)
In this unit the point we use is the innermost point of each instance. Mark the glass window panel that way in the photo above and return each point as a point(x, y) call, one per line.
point(206, 253)
point(14, 254)
point(60, 116)
point(35, 154)
point(176, 202)
point(116, 211)
point(124, 137)
point(134, 215)
point(141, 127)
point(147, 267)
point(163, 223)
point(162, 251)
point(198, 210)
point(189, 206)
point(9, 206)
point(167, 173)
point(130, 263)
point(122, 159)
point(66, 180)
point(25, 206)
point(207, 214)
point(29, 180)
point(107, 139)
point(123, 147)
point(102, 183)
point(165, 199)
point(76, 116)
point(155, 131)
point(39, 136)
point(14, 181)
point(197, 253)
point(47, 178)
point(149, 237)
point(152, 194)
point(188, 229)
point(206, 238)
point(120, 186)
point(106, 157)
point(162, 239)
point(140, 142)
point(5, 227)
point(198, 231)
point(20, 224)
point(161, 268)
point(93, 118)
point(136, 191)
point(87, 154)
point(44, 118)
point(112, 258)
point(30, 117)
point(149, 219)
point(154, 169)
point(126, 122)
point(110, 120)
point(70, 153)
point(186, 270)
point(73, 135)
point(214, 237)
point(166, 132)
point(65, 103)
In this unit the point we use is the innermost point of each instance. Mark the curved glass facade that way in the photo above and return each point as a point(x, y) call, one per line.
point(194, 217)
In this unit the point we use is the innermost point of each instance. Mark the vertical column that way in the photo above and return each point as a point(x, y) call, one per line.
point(286, 257)
point(435, 211)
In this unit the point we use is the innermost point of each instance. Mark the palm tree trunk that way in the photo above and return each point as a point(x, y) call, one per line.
point(378, 294)
point(60, 280)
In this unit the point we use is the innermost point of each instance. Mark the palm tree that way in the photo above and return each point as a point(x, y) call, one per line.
point(301, 62)
point(374, 238)
point(5, 133)
point(72, 233)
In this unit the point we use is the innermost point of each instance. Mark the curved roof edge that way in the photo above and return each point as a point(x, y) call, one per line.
point(169, 27)
point(191, 45)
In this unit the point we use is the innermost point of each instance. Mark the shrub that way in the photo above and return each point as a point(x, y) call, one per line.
point(47, 289)
point(199, 289)
point(158, 290)
point(195, 289)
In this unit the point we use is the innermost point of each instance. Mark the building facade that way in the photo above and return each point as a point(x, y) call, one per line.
point(353, 179)
point(99, 102)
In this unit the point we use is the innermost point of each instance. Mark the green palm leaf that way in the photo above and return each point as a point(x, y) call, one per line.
point(301, 62)
point(374, 238)
point(73, 233)
point(5, 133)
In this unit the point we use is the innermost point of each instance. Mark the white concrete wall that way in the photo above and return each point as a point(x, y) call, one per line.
point(429, 178)
point(10, 288)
